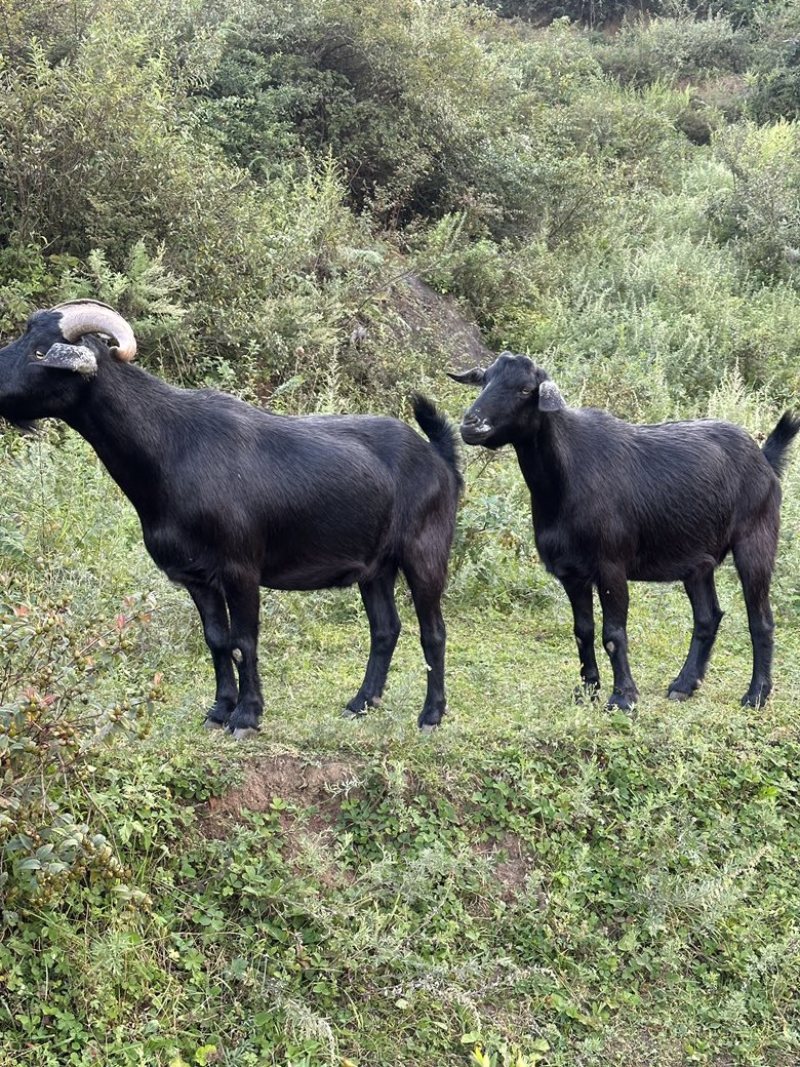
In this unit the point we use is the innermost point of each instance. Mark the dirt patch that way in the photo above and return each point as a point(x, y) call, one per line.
point(512, 873)
point(512, 863)
point(319, 786)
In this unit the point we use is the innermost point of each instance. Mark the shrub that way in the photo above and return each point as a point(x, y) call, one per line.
point(775, 75)
point(602, 12)
point(250, 272)
point(655, 312)
point(558, 66)
point(696, 122)
point(386, 89)
point(672, 49)
point(427, 108)
point(628, 136)
point(759, 209)
point(590, 12)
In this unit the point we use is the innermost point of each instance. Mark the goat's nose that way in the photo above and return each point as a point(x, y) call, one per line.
point(474, 428)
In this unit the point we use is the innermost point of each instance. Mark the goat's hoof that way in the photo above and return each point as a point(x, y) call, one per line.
point(622, 702)
point(241, 733)
point(678, 694)
point(213, 724)
point(424, 723)
point(357, 708)
point(757, 699)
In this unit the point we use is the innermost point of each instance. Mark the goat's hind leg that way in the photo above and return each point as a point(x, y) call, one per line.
point(384, 630)
point(243, 605)
point(754, 558)
point(213, 611)
point(702, 594)
point(426, 580)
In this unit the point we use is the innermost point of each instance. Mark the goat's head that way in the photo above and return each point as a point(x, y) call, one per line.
point(513, 393)
point(44, 372)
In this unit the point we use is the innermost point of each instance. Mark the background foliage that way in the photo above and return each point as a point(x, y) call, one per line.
point(321, 205)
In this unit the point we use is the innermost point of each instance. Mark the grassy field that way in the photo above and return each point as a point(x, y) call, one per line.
point(537, 882)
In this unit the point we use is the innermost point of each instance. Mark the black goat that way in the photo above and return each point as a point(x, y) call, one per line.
point(231, 497)
point(614, 503)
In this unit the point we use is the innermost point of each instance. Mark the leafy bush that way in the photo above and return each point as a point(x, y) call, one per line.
point(602, 12)
point(775, 74)
point(360, 84)
point(425, 107)
point(590, 12)
point(628, 136)
point(671, 49)
point(251, 274)
point(558, 66)
point(759, 209)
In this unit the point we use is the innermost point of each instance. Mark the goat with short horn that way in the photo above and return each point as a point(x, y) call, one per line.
point(614, 502)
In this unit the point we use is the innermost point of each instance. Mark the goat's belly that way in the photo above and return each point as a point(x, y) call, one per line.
point(661, 573)
point(314, 575)
point(572, 563)
point(673, 570)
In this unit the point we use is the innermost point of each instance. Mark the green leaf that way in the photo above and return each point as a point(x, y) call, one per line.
point(31, 864)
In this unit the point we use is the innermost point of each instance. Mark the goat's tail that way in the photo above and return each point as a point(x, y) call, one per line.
point(441, 433)
point(776, 446)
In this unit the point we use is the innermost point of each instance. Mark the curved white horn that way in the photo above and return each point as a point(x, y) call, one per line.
point(90, 316)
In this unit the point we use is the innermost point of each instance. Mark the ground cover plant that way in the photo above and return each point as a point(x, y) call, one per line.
point(324, 211)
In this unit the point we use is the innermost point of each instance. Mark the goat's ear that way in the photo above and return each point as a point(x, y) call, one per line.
point(77, 358)
point(476, 376)
point(550, 399)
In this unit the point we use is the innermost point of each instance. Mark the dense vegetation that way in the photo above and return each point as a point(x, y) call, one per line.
point(308, 202)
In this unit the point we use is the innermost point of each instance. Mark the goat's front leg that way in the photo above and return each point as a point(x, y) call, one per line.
point(243, 606)
point(210, 604)
point(613, 589)
point(580, 598)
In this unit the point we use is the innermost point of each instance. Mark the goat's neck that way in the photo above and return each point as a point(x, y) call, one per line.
point(542, 467)
point(123, 418)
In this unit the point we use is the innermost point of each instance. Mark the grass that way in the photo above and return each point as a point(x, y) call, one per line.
point(538, 882)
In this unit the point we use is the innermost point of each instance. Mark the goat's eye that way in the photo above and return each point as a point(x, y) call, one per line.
point(39, 354)
point(526, 391)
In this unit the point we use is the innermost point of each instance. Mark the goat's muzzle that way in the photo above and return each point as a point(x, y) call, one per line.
point(474, 431)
